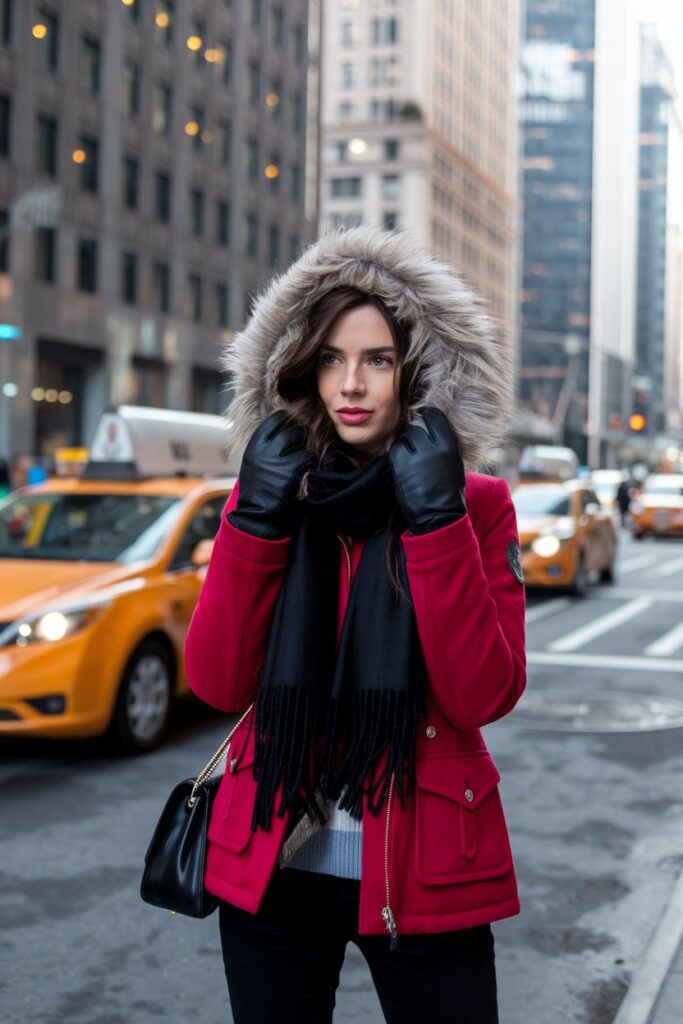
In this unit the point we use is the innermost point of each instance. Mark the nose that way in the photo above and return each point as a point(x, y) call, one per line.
point(352, 381)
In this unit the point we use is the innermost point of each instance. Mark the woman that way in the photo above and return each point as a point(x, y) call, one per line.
point(365, 594)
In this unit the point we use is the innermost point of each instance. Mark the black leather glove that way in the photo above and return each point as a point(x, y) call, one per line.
point(272, 465)
point(429, 473)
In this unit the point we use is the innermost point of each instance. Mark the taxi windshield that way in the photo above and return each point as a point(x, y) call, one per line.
point(540, 501)
point(85, 527)
point(675, 490)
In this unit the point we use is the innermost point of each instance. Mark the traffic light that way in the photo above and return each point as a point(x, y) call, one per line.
point(636, 422)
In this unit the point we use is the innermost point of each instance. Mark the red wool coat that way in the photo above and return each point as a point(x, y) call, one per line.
point(444, 862)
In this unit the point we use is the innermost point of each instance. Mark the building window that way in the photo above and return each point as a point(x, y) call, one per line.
point(197, 212)
point(222, 223)
point(48, 46)
point(5, 125)
point(135, 10)
point(295, 179)
point(254, 83)
point(89, 167)
point(299, 44)
point(385, 30)
point(162, 197)
point(251, 236)
point(255, 13)
point(227, 61)
point(150, 378)
point(197, 116)
point(346, 188)
point(161, 287)
point(392, 148)
point(129, 278)
point(199, 30)
point(348, 32)
point(90, 65)
point(130, 88)
point(347, 74)
point(86, 269)
point(278, 27)
point(224, 143)
point(7, 22)
point(46, 146)
point(129, 183)
point(44, 241)
point(164, 19)
point(298, 112)
point(193, 298)
point(391, 186)
point(162, 105)
point(346, 112)
point(222, 305)
point(4, 241)
point(251, 159)
point(273, 245)
point(390, 220)
point(385, 71)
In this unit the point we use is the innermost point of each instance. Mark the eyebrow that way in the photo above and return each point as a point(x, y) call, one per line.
point(364, 351)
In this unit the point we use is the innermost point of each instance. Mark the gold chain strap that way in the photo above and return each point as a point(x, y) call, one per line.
point(210, 765)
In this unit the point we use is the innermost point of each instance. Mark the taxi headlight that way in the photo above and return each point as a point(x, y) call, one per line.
point(546, 547)
point(50, 626)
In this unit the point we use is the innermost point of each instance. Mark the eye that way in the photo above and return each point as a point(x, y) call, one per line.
point(327, 359)
point(380, 361)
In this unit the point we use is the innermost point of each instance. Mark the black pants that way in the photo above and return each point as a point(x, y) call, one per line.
point(283, 963)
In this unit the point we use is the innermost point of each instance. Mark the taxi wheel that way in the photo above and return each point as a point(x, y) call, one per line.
point(145, 699)
point(580, 584)
point(608, 574)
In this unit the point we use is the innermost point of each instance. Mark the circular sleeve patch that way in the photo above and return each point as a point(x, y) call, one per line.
point(514, 557)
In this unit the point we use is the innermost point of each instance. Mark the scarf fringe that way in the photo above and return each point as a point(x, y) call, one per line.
point(284, 727)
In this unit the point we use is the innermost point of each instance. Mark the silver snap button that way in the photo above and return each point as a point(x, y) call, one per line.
point(469, 796)
point(430, 731)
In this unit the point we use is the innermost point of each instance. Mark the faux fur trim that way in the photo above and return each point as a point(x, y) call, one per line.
point(464, 361)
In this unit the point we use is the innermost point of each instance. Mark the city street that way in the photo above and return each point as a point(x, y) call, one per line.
point(591, 760)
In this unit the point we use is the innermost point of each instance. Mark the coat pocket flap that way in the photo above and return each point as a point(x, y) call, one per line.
point(467, 779)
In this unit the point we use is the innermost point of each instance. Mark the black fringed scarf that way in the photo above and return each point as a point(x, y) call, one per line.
point(325, 714)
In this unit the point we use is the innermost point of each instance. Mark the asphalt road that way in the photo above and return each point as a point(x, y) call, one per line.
point(596, 819)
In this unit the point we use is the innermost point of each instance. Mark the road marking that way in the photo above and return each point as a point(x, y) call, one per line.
point(605, 661)
point(612, 593)
point(667, 644)
point(651, 972)
point(638, 562)
point(540, 611)
point(583, 635)
point(668, 569)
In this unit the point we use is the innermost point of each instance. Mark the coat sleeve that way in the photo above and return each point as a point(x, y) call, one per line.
point(469, 607)
point(226, 640)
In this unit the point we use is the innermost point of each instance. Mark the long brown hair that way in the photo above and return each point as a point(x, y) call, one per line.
point(298, 384)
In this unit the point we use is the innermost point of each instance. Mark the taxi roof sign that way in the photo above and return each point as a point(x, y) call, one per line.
point(132, 442)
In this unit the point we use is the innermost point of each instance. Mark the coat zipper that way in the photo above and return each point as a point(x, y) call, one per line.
point(387, 912)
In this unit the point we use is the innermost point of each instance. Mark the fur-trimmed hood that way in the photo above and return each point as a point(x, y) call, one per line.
point(464, 361)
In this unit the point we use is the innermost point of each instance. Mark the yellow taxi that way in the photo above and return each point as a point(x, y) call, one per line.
point(99, 576)
point(658, 508)
point(565, 535)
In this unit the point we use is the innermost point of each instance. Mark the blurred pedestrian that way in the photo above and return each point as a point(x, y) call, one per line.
point(366, 594)
point(624, 492)
point(5, 482)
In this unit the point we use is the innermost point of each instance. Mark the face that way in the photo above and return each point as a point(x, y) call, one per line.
point(358, 378)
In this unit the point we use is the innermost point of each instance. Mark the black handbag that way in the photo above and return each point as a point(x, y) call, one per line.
point(173, 877)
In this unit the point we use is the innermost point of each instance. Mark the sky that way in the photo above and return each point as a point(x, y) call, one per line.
point(669, 15)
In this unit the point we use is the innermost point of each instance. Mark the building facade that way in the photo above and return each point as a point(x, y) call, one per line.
point(418, 129)
point(657, 96)
point(153, 165)
point(579, 175)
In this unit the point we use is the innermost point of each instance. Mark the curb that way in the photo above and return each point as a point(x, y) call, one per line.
point(652, 969)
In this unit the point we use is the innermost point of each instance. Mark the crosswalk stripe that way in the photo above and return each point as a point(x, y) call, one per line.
point(583, 635)
point(668, 569)
point(617, 661)
point(638, 562)
point(611, 593)
point(540, 611)
point(667, 644)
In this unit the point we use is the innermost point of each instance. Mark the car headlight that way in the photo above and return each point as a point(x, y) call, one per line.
point(546, 546)
point(50, 626)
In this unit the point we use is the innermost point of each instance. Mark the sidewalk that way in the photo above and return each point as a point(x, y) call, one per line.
point(655, 995)
point(669, 1006)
